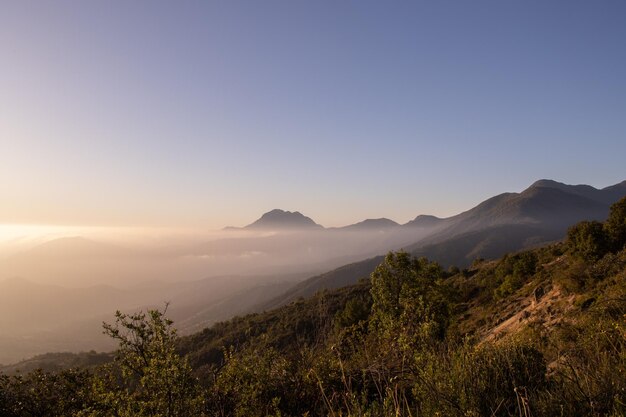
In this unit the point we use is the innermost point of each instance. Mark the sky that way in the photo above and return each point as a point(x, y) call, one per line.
point(204, 114)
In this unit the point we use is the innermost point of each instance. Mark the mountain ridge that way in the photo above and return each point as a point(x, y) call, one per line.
point(281, 219)
point(508, 222)
point(381, 223)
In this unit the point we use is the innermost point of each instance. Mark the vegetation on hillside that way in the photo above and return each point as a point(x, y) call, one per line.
point(536, 333)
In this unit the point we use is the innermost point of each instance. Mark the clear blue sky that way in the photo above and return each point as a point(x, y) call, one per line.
point(199, 113)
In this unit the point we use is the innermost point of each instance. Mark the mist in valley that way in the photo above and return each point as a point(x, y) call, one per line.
point(57, 285)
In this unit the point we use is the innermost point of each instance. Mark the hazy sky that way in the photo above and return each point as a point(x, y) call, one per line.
point(209, 113)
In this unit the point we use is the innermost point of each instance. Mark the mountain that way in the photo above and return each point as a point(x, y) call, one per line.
point(337, 278)
point(280, 220)
point(489, 243)
point(508, 222)
point(543, 312)
point(606, 195)
point(512, 221)
point(371, 225)
point(505, 223)
point(424, 220)
point(525, 320)
point(546, 205)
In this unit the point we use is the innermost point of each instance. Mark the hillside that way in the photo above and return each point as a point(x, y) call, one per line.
point(546, 204)
point(371, 224)
point(509, 222)
point(337, 278)
point(546, 287)
point(539, 332)
point(543, 321)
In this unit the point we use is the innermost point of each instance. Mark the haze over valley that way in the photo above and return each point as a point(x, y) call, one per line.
point(55, 290)
point(55, 293)
point(322, 208)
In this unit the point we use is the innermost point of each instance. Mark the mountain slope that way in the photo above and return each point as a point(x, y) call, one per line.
point(531, 325)
point(371, 224)
point(508, 222)
point(424, 220)
point(547, 210)
point(337, 278)
point(605, 195)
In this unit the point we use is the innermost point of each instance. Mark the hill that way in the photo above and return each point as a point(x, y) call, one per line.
point(539, 214)
point(337, 278)
point(55, 362)
point(508, 222)
point(424, 220)
point(371, 224)
point(282, 220)
point(539, 332)
point(550, 317)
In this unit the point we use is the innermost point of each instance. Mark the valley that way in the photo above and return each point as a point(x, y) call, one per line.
point(55, 295)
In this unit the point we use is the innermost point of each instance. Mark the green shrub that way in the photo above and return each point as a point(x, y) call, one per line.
point(589, 378)
point(512, 272)
point(510, 284)
point(409, 298)
point(615, 225)
point(488, 380)
point(588, 240)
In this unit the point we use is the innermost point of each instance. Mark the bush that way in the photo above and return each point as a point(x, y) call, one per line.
point(588, 240)
point(45, 394)
point(148, 377)
point(615, 225)
point(513, 271)
point(410, 300)
point(488, 380)
point(511, 284)
point(590, 376)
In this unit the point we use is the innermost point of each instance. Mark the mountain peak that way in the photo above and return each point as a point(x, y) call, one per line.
point(547, 183)
point(606, 195)
point(281, 219)
point(424, 220)
point(618, 186)
point(372, 224)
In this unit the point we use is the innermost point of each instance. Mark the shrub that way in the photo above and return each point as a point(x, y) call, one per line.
point(588, 240)
point(488, 380)
point(615, 225)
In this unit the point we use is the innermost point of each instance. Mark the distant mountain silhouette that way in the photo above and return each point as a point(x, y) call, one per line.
point(505, 223)
point(606, 195)
point(424, 220)
point(514, 221)
point(337, 278)
point(71, 248)
point(371, 224)
point(489, 243)
point(545, 204)
point(279, 219)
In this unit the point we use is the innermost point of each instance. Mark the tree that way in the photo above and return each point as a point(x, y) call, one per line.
point(409, 298)
point(588, 240)
point(513, 271)
point(40, 393)
point(615, 225)
point(148, 377)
